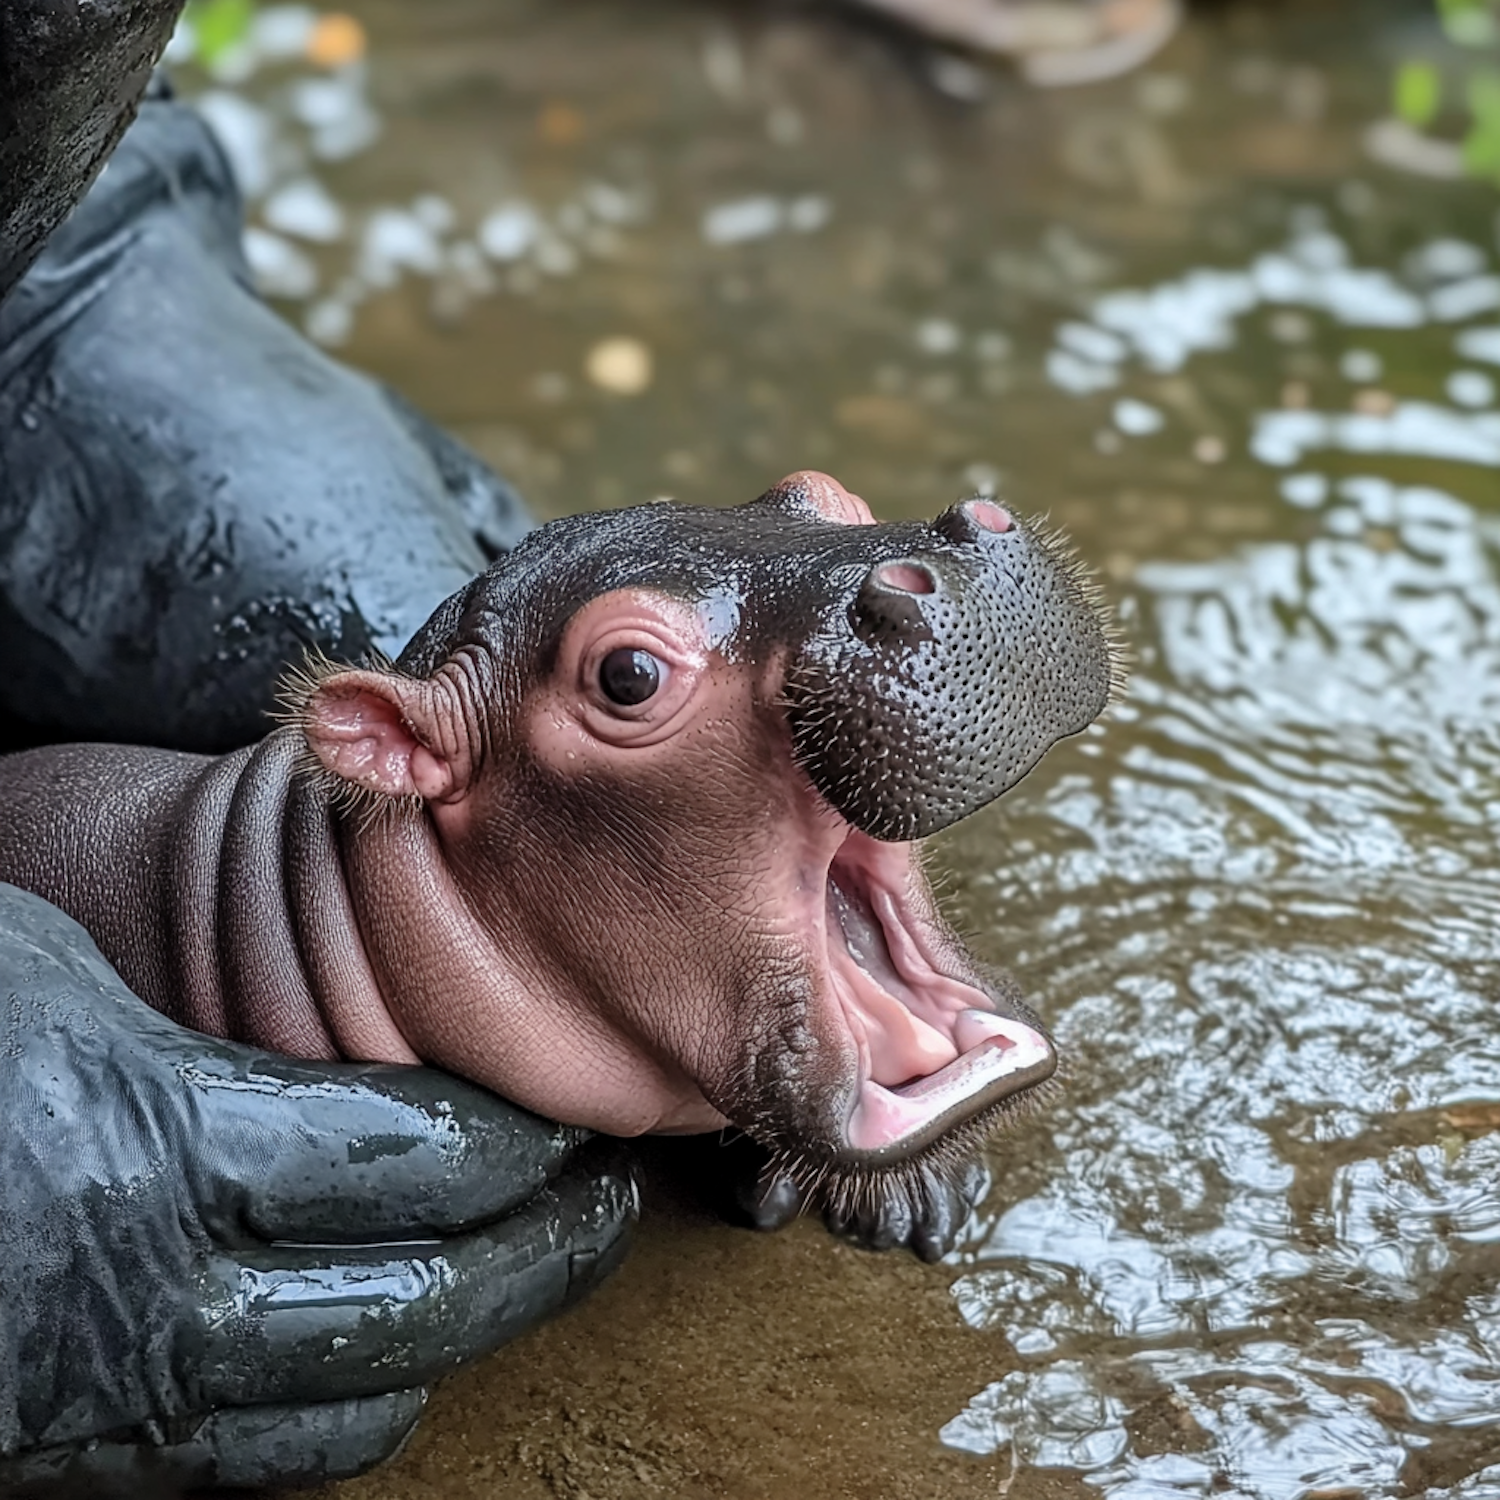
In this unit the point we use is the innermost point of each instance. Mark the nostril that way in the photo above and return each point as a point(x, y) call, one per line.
point(989, 516)
point(910, 578)
point(893, 599)
point(968, 522)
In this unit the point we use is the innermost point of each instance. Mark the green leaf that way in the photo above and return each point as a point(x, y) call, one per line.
point(1418, 93)
point(1481, 153)
point(1469, 23)
point(1484, 97)
point(1482, 144)
point(219, 25)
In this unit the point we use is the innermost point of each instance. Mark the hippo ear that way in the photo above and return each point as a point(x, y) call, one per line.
point(809, 493)
point(386, 733)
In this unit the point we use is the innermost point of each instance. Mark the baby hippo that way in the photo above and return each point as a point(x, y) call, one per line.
point(628, 834)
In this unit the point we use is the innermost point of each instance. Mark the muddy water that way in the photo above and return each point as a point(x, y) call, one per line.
point(1254, 1250)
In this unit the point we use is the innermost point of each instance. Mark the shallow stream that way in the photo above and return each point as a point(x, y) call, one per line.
point(632, 247)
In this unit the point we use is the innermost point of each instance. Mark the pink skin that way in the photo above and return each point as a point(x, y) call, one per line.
point(481, 984)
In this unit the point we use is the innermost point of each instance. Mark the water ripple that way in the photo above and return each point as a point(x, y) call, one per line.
point(1255, 1252)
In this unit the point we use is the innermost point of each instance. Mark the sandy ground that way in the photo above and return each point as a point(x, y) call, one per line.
point(723, 1363)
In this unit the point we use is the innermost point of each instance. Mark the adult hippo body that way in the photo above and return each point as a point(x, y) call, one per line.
point(627, 834)
point(191, 494)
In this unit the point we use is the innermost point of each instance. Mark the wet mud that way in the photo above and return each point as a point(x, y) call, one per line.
point(719, 1362)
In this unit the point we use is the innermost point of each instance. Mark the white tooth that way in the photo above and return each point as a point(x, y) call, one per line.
point(975, 1026)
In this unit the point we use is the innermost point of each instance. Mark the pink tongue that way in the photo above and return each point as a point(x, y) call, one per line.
point(902, 1047)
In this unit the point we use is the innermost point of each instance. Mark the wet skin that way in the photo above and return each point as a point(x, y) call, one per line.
point(191, 494)
point(70, 79)
point(627, 834)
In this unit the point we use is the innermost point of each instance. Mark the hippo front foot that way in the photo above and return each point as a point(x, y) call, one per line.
point(923, 1211)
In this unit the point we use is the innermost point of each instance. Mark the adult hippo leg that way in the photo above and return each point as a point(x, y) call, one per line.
point(191, 495)
point(71, 76)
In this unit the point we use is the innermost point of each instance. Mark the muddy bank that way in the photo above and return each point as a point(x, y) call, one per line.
point(720, 1363)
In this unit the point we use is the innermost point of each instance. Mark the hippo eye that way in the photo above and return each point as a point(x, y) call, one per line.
point(629, 677)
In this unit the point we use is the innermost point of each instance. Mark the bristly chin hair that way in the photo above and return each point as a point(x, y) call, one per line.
point(855, 1190)
point(363, 805)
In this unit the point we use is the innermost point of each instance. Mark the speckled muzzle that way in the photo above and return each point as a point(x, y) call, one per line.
point(956, 665)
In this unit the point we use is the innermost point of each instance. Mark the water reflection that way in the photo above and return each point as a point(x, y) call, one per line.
point(1270, 1216)
point(290, 109)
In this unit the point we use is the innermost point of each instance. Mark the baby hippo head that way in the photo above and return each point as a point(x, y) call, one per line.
point(664, 771)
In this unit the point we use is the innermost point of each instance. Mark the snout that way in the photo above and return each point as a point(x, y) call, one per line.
point(909, 593)
point(959, 660)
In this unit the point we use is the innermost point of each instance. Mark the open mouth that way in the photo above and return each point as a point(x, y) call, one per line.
point(933, 1050)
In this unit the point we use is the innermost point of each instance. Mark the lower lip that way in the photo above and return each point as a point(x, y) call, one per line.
point(1001, 1057)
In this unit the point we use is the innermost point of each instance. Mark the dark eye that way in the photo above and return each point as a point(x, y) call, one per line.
point(629, 677)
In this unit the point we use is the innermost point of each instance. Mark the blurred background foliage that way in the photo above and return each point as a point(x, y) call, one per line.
point(1450, 95)
point(1455, 94)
